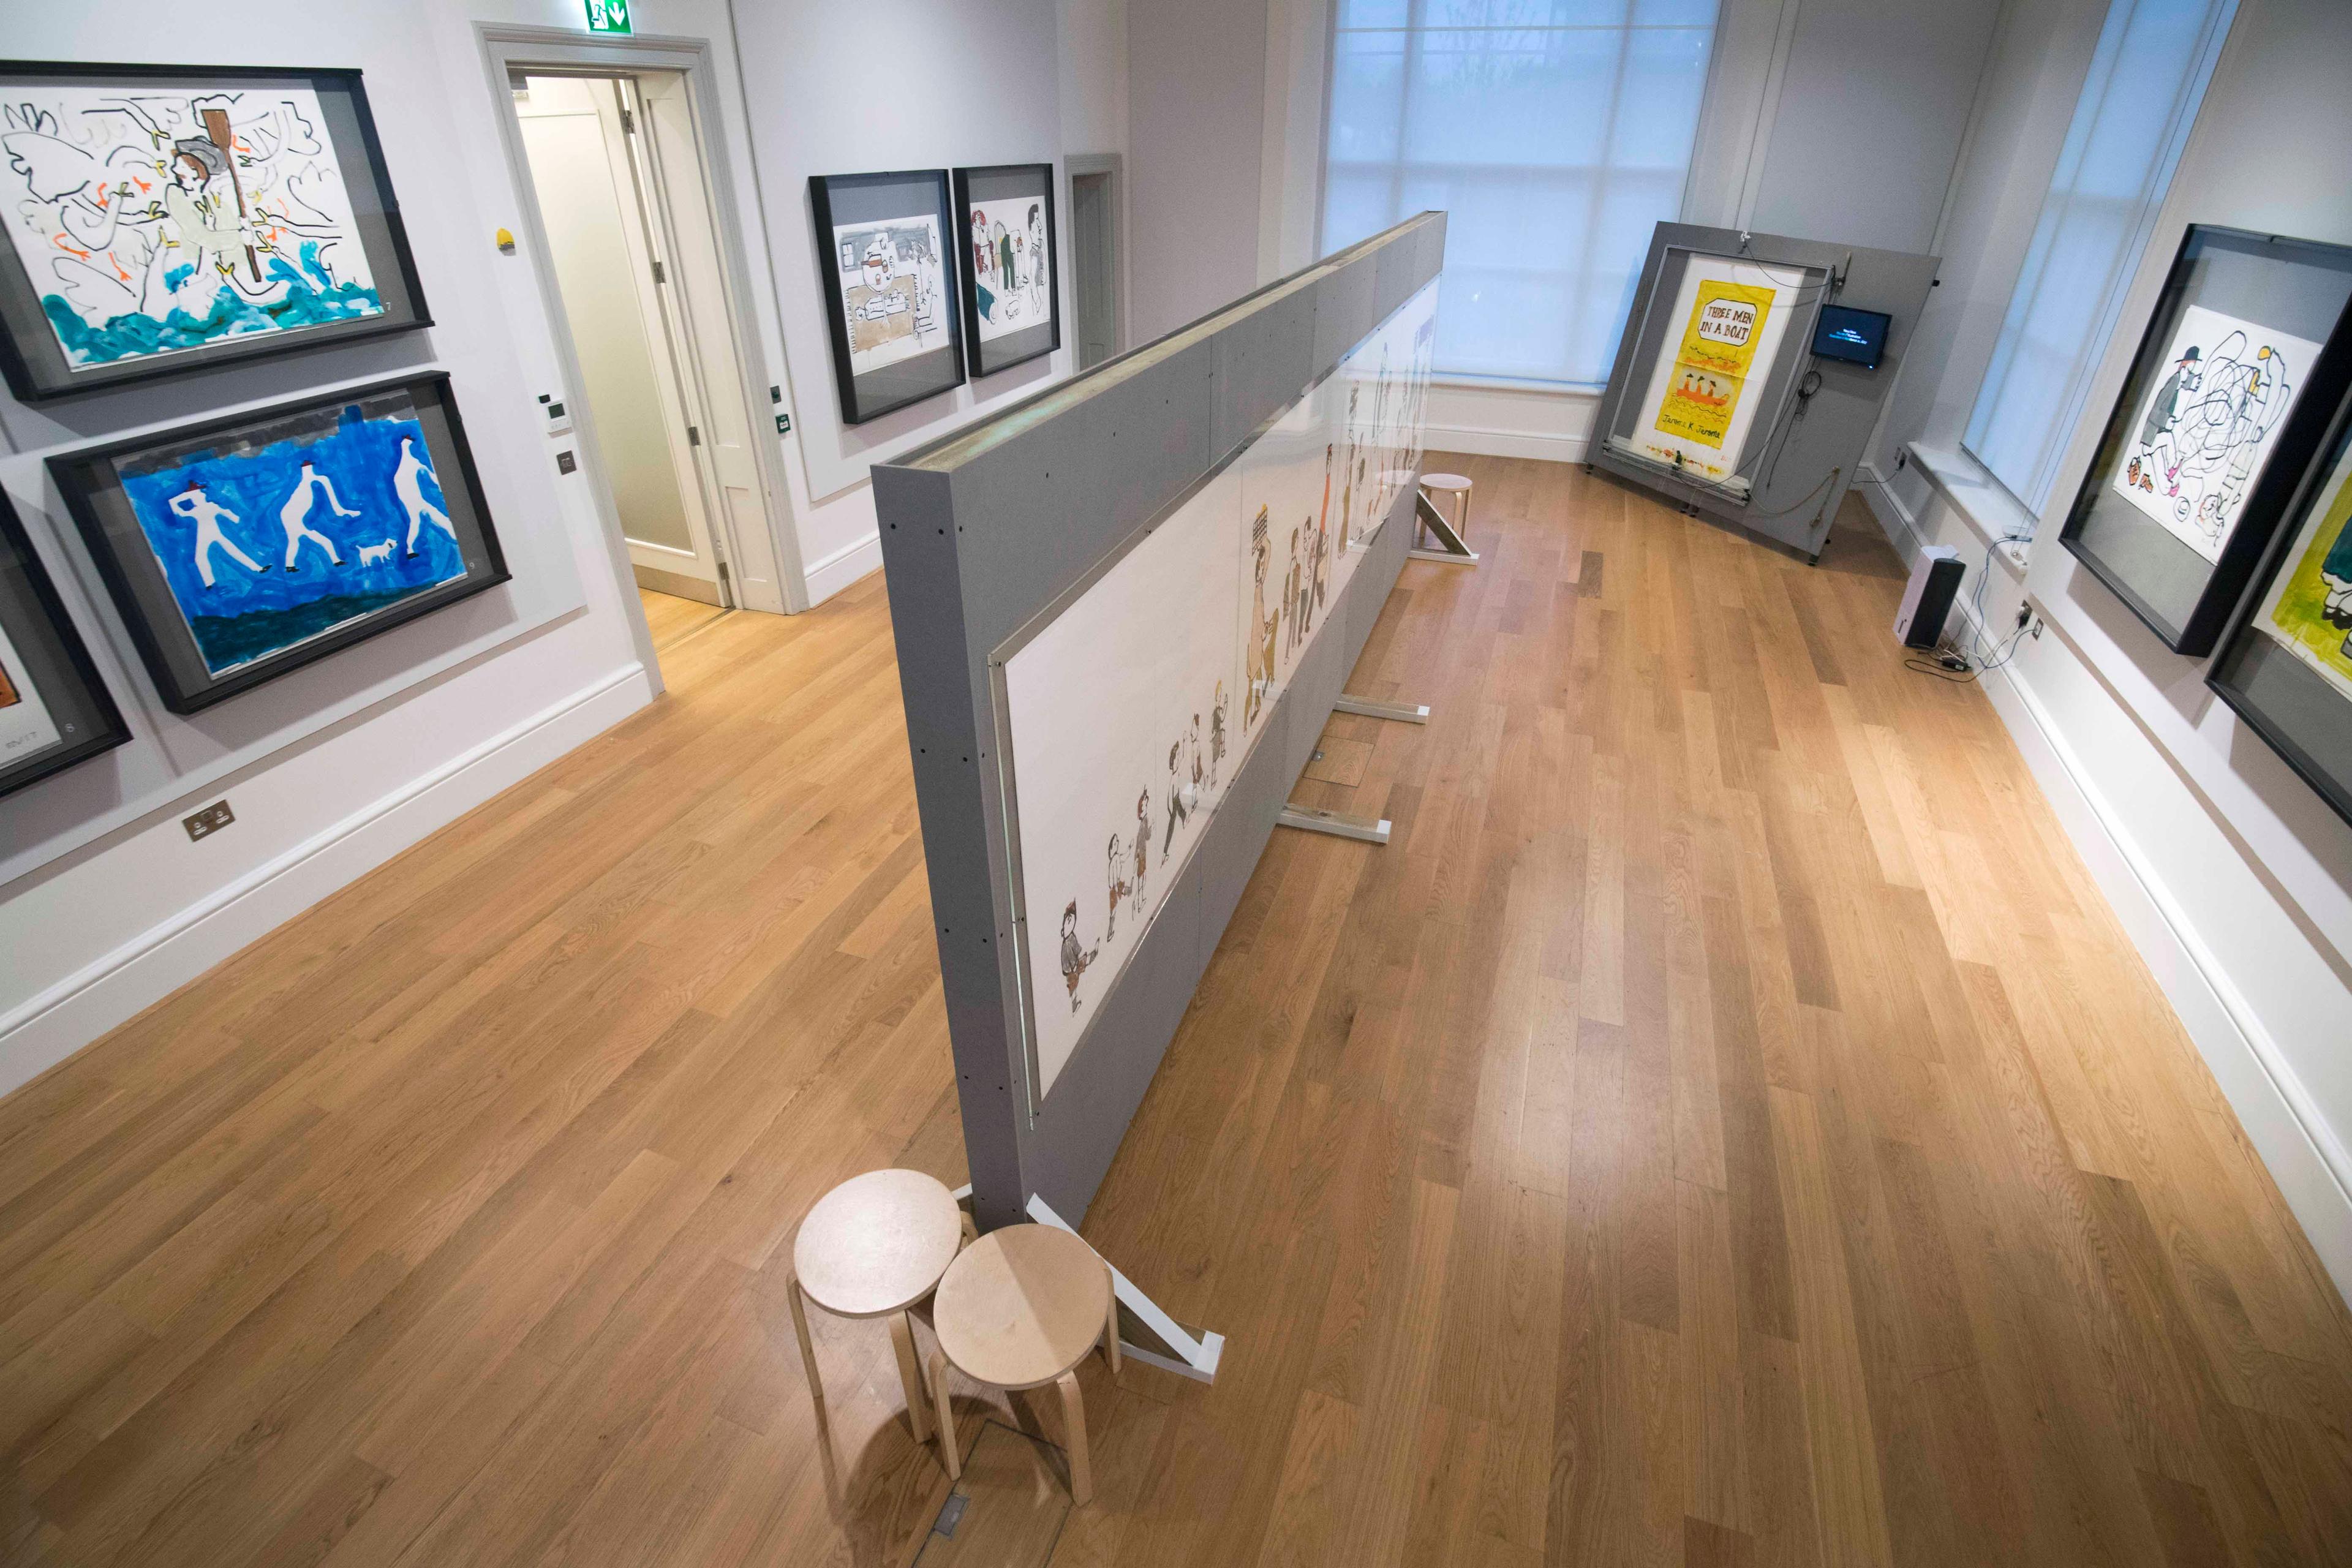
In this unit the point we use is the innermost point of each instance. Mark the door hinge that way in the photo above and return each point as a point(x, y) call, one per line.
point(724, 579)
point(628, 123)
point(693, 436)
point(660, 275)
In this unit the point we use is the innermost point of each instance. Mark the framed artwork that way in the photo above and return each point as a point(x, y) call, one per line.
point(2226, 400)
point(54, 710)
point(890, 291)
point(1011, 285)
point(241, 548)
point(162, 219)
point(2287, 666)
point(1722, 343)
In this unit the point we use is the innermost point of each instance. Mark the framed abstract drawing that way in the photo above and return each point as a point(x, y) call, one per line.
point(2287, 666)
point(162, 219)
point(2227, 397)
point(1011, 294)
point(890, 290)
point(55, 711)
point(243, 547)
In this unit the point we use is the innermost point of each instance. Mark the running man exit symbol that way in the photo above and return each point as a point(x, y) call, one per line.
point(608, 15)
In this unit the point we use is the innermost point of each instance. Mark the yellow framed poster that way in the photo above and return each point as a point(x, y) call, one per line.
point(1721, 345)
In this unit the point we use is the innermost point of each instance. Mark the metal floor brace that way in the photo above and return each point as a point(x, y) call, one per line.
point(1450, 546)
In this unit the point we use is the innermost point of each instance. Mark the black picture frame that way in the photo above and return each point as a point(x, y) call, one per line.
point(1031, 183)
point(36, 363)
point(45, 663)
point(2278, 691)
point(849, 209)
point(2293, 288)
point(191, 667)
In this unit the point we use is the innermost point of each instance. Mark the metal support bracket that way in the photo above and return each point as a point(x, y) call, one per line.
point(1402, 712)
point(1450, 547)
point(1315, 820)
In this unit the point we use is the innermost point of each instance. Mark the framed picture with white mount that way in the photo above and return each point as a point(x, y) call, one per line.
point(1011, 285)
point(239, 548)
point(2228, 396)
point(55, 711)
point(889, 288)
point(2286, 665)
point(165, 219)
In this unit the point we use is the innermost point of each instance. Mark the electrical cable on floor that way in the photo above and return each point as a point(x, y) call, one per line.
point(1960, 666)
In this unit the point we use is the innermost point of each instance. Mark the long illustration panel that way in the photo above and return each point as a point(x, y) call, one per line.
point(1131, 709)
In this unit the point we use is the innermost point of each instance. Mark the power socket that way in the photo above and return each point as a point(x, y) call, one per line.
point(209, 821)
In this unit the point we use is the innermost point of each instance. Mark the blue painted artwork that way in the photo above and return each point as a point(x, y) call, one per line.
point(287, 531)
point(153, 223)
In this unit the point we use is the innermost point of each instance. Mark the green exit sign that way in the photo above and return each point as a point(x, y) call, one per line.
point(608, 15)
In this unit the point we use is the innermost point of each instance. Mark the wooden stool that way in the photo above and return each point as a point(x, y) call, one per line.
point(1456, 486)
point(1020, 1307)
point(873, 1248)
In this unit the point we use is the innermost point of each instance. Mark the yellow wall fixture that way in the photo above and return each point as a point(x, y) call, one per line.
point(506, 242)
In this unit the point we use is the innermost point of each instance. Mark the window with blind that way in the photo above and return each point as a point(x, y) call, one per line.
point(2139, 99)
point(1555, 133)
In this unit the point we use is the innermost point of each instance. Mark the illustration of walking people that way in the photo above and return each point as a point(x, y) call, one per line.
point(1217, 735)
point(1178, 809)
point(207, 515)
point(295, 516)
point(406, 483)
point(1260, 674)
point(1074, 958)
point(1142, 848)
point(1120, 886)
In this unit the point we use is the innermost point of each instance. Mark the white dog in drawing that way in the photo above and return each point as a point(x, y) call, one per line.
point(374, 554)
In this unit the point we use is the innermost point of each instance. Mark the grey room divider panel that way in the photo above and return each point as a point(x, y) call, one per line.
point(989, 527)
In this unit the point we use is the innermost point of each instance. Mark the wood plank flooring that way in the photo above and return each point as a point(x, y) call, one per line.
point(1724, 1126)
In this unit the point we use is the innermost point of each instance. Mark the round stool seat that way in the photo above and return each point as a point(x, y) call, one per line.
point(1444, 482)
point(1021, 1306)
point(877, 1243)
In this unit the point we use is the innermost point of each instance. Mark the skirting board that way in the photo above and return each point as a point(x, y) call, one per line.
point(1479, 443)
point(2310, 1164)
point(842, 567)
point(53, 1026)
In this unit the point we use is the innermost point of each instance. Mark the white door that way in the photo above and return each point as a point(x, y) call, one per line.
point(705, 330)
point(576, 132)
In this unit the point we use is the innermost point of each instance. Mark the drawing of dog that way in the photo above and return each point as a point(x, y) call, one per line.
point(369, 554)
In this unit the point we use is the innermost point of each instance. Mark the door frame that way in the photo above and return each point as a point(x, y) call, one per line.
point(507, 50)
point(1074, 164)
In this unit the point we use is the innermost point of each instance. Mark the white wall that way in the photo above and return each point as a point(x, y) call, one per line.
point(106, 905)
point(1837, 120)
point(2233, 877)
point(894, 84)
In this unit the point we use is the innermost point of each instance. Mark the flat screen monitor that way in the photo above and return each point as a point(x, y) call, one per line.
point(1858, 337)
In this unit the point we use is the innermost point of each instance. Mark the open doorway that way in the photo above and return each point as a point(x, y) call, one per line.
point(1094, 208)
point(632, 247)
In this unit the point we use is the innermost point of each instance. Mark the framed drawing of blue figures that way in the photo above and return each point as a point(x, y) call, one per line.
point(1012, 295)
point(243, 547)
point(161, 219)
point(55, 711)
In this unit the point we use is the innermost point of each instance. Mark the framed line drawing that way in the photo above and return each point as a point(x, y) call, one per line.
point(1011, 282)
point(164, 219)
point(2227, 397)
point(241, 548)
point(55, 710)
point(2286, 665)
point(889, 288)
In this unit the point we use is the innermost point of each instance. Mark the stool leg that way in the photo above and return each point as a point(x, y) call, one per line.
point(910, 1379)
point(1110, 1325)
point(1074, 1421)
point(808, 1354)
point(945, 1418)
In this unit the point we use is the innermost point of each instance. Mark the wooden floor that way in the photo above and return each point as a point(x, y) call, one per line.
point(1724, 1127)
